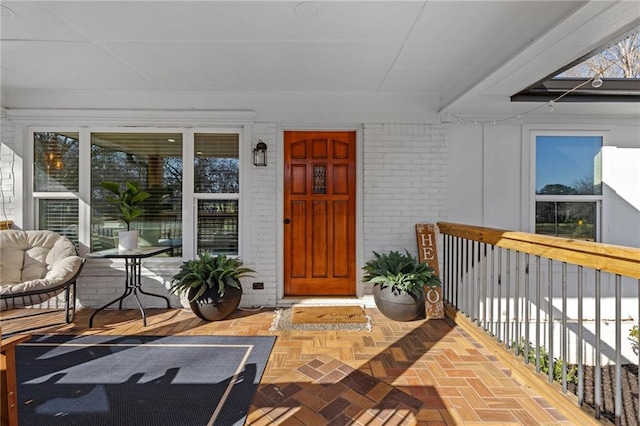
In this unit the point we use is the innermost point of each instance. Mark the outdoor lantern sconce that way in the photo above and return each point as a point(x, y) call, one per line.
point(260, 154)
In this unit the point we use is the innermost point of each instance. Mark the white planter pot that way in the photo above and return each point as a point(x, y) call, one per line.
point(127, 240)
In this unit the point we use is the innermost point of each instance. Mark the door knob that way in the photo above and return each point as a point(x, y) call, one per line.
point(287, 221)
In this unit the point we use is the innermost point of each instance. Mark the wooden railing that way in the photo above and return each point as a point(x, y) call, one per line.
point(516, 285)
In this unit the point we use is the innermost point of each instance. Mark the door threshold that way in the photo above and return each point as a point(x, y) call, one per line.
point(366, 301)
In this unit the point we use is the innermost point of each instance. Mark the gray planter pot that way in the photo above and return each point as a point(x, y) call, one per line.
point(212, 308)
point(398, 306)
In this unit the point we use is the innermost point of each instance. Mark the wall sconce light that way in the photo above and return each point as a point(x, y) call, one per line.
point(260, 154)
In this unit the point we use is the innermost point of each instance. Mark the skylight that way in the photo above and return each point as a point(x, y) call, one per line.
point(610, 73)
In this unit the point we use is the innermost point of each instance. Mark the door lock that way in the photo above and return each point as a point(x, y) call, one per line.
point(287, 221)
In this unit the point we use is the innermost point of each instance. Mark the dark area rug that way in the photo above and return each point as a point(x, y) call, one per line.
point(139, 380)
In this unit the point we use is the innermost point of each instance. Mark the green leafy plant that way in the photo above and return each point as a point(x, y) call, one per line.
point(634, 338)
point(127, 199)
point(558, 364)
point(400, 271)
point(209, 272)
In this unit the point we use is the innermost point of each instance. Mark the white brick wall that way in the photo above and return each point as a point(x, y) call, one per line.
point(8, 169)
point(262, 250)
point(405, 183)
point(103, 280)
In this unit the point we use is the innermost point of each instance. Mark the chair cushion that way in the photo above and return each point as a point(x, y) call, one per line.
point(35, 260)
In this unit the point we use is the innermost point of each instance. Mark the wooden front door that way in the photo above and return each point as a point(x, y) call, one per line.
point(319, 213)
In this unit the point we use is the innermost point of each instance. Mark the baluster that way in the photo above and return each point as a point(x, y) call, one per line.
point(563, 336)
point(445, 265)
point(618, 402)
point(580, 336)
point(458, 268)
point(507, 299)
point(498, 328)
point(527, 308)
point(516, 307)
point(492, 283)
point(538, 307)
point(472, 283)
point(550, 313)
point(483, 268)
point(598, 378)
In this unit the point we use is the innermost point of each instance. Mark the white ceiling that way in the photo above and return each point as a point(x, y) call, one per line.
point(454, 55)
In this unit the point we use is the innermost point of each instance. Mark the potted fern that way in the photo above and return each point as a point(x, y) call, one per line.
point(211, 284)
point(399, 282)
point(127, 199)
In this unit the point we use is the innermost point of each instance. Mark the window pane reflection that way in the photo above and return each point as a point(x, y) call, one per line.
point(218, 226)
point(574, 220)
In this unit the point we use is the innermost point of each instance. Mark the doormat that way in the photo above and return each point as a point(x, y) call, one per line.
point(326, 317)
point(327, 314)
point(139, 380)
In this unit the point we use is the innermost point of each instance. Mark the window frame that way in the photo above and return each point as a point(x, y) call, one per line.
point(189, 198)
point(189, 155)
point(597, 199)
point(33, 208)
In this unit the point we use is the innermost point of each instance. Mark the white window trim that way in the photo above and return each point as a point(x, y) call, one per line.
point(32, 209)
point(189, 204)
point(598, 199)
point(188, 197)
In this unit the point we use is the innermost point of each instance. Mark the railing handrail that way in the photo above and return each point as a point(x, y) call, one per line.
point(610, 258)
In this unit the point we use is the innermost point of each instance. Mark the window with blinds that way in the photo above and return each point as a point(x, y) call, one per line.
point(217, 187)
point(154, 161)
point(60, 216)
point(56, 182)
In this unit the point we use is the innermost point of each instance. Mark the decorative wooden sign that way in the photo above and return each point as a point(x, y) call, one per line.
point(427, 252)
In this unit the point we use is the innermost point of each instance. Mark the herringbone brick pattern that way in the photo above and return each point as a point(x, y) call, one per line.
point(414, 373)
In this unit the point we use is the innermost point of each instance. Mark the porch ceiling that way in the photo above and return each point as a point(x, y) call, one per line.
point(449, 53)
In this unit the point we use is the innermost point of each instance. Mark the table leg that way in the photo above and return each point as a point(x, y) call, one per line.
point(133, 284)
point(147, 293)
point(127, 291)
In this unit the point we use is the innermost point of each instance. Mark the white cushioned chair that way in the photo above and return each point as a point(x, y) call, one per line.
point(36, 266)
